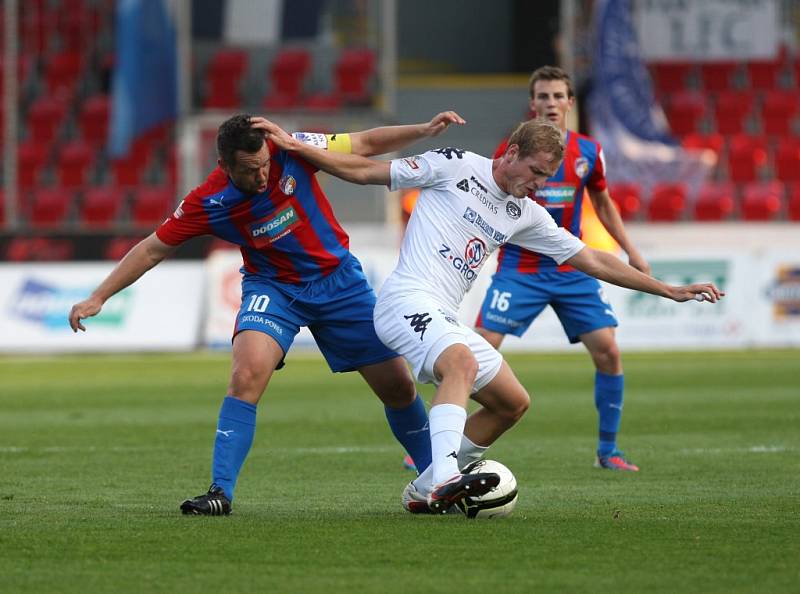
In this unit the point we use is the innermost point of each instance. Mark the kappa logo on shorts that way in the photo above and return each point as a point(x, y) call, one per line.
point(419, 322)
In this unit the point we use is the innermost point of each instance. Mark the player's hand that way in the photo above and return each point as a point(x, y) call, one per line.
point(85, 309)
point(698, 292)
point(636, 260)
point(276, 134)
point(440, 122)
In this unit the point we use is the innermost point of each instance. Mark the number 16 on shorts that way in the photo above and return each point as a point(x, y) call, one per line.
point(500, 300)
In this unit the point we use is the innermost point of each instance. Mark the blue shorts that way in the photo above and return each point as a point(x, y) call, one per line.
point(337, 309)
point(513, 302)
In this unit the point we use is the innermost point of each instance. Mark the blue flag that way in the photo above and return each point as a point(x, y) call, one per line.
point(145, 83)
point(626, 119)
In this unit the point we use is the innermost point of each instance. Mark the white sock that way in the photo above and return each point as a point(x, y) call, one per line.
point(447, 428)
point(469, 452)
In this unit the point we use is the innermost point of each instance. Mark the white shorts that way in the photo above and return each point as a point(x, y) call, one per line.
point(420, 329)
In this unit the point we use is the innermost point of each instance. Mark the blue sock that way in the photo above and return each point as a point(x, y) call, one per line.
point(235, 431)
point(608, 401)
point(410, 427)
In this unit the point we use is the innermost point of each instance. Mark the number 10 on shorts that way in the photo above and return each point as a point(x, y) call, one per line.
point(499, 300)
point(258, 303)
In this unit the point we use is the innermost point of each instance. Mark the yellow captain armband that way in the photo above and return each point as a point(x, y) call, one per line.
point(339, 143)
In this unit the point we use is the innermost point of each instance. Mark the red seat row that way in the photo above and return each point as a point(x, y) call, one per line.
point(759, 75)
point(287, 74)
point(99, 207)
point(746, 155)
point(687, 110)
point(670, 202)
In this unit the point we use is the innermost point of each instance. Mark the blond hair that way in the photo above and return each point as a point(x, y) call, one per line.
point(538, 136)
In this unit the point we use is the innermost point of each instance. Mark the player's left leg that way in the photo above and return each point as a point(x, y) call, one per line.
point(609, 386)
point(587, 316)
point(404, 408)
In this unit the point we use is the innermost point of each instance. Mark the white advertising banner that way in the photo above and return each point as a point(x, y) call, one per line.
point(776, 315)
point(161, 311)
point(707, 30)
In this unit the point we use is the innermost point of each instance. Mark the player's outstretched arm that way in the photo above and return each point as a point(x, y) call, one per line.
point(609, 216)
point(352, 168)
point(142, 257)
point(387, 139)
point(613, 270)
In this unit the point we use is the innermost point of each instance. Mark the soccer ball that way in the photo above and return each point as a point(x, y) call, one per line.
point(498, 502)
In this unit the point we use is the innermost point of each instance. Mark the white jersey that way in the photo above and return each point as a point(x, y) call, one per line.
point(460, 218)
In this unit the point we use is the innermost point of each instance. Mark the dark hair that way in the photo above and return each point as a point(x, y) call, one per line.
point(550, 73)
point(235, 134)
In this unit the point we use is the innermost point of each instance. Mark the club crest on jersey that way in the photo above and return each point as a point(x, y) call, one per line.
point(513, 210)
point(276, 227)
point(287, 184)
point(475, 253)
point(581, 167)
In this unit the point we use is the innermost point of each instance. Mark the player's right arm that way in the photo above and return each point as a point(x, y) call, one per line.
point(349, 167)
point(142, 257)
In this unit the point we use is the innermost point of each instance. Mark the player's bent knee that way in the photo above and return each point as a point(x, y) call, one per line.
point(457, 362)
point(248, 382)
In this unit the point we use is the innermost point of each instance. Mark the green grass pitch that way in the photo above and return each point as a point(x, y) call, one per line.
point(97, 452)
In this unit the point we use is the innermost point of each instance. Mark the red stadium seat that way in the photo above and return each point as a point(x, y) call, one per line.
point(74, 162)
point(715, 202)
point(223, 78)
point(49, 206)
point(715, 142)
point(101, 206)
point(45, 119)
point(787, 159)
point(151, 205)
point(94, 119)
point(762, 201)
point(732, 110)
point(763, 75)
point(747, 155)
point(718, 76)
point(62, 73)
point(129, 171)
point(628, 197)
point(352, 75)
point(287, 74)
point(793, 206)
point(667, 202)
point(669, 77)
point(31, 159)
point(778, 110)
point(684, 112)
point(351, 79)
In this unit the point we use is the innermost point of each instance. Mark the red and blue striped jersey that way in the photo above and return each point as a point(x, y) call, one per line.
point(583, 168)
point(288, 233)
